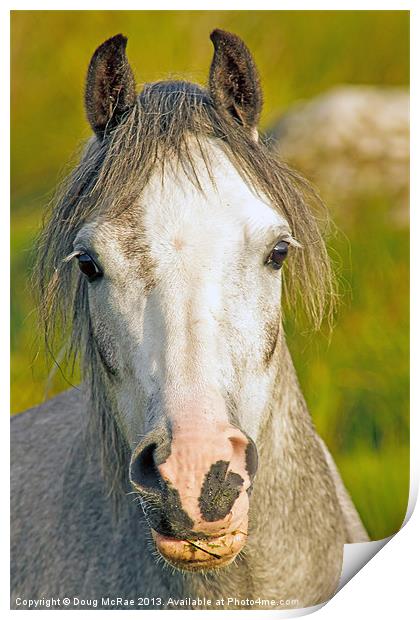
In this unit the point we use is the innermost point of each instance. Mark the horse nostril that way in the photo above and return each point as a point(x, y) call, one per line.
point(251, 459)
point(143, 470)
point(244, 445)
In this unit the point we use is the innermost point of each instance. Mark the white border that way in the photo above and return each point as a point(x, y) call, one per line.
point(387, 585)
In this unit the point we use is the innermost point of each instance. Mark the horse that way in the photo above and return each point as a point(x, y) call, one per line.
point(185, 468)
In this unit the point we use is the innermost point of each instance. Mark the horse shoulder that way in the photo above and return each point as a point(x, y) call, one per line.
point(65, 536)
point(40, 439)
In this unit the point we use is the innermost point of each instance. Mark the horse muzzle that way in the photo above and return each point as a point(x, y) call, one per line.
point(194, 483)
point(194, 554)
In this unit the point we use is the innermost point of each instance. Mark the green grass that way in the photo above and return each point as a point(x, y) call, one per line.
point(379, 484)
point(356, 383)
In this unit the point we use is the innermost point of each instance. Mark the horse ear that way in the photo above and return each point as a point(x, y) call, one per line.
point(234, 81)
point(110, 86)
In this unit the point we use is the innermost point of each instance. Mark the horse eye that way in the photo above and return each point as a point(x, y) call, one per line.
point(278, 255)
point(88, 267)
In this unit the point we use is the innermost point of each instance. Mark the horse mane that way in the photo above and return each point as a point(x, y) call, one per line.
point(171, 120)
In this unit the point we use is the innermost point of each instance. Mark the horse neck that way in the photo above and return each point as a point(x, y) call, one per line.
point(289, 452)
point(287, 423)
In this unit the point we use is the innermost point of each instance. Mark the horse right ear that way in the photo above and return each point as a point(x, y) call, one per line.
point(110, 86)
point(234, 81)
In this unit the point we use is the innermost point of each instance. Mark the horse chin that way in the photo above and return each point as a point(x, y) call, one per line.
point(195, 554)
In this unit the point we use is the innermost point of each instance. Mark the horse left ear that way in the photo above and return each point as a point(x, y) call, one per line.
point(110, 86)
point(234, 81)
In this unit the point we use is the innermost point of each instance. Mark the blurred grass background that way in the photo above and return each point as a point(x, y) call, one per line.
point(356, 385)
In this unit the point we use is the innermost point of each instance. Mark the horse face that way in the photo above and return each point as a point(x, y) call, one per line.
point(186, 320)
point(184, 298)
